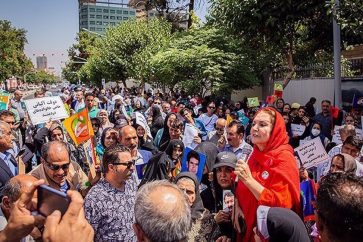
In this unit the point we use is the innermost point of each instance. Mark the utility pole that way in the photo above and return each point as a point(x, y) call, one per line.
point(337, 58)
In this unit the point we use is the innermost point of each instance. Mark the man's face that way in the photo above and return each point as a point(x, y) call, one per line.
point(189, 189)
point(6, 142)
point(9, 120)
point(229, 202)
point(57, 164)
point(18, 95)
point(129, 138)
point(57, 135)
point(122, 171)
point(79, 96)
point(193, 165)
point(180, 107)
point(325, 107)
point(350, 150)
point(233, 138)
point(220, 126)
point(90, 101)
point(166, 107)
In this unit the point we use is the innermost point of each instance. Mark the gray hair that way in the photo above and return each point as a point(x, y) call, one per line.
point(158, 223)
point(12, 190)
point(348, 129)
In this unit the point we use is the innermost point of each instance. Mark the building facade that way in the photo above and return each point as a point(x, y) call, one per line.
point(42, 63)
point(97, 17)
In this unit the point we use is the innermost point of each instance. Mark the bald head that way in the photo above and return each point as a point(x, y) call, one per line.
point(162, 212)
point(54, 147)
point(18, 95)
point(221, 122)
point(17, 185)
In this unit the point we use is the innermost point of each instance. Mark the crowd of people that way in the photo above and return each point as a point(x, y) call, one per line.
point(196, 169)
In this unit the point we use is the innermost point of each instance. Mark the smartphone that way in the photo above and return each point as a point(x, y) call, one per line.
point(50, 199)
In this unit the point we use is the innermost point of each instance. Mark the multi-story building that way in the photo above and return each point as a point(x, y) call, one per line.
point(97, 16)
point(42, 63)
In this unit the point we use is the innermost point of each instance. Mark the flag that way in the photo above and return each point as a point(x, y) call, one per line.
point(278, 93)
point(4, 100)
point(357, 101)
point(79, 127)
point(334, 111)
point(270, 99)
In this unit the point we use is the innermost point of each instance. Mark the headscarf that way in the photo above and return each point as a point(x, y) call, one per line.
point(166, 136)
point(350, 166)
point(321, 135)
point(280, 225)
point(197, 208)
point(211, 152)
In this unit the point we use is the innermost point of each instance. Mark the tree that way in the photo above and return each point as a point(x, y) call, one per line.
point(13, 61)
point(204, 59)
point(41, 77)
point(125, 50)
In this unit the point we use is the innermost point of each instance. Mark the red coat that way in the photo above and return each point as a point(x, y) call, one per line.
point(275, 169)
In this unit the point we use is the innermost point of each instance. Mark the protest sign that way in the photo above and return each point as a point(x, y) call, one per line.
point(278, 86)
point(43, 109)
point(4, 100)
point(336, 136)
point(124, 112)
point(79, 127)
point(253, 102)
point(311, 153)
point(189, 133)
point(90, 156)
point(21, 166)
point(297, 129)
point(141, 120)
point(194, 162)
point(228, 201)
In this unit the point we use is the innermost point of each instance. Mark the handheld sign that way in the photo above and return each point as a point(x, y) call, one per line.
point(194, 162)
point(90, 156)
point(43, 109)
point(253, 102)
point(311, 153)
point(4, 100)
point(297, 129)
point(189, 133)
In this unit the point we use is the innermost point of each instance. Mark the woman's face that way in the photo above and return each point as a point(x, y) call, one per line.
point(279, 104)
point(301, 113)
point(116, 115)
point(138, 104)
point(316, 126)
point(171, 119)
point(174, 133)
point(177, 152)
point(349, 120)
point(286, 109)
point(188, 187)
point(110, 138)
point(286, 119)
point(224, 176)
point(337, 165)
point(261, 128)
point(140, 131)
point(103, 116)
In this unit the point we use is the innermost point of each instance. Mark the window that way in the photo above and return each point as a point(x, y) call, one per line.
point(119, 17)
point(112, 17)
point(105, 23)
point(99, 16)
point(84, 16)
point(91, 16)
point(92, 28)
point(125, 18)
point(92, 10)
point(112, 11)
point(119, 12)
point(126, 12)
point(132, 13)
point(105, 17)
point(112, 23)
point(99, 29)
point(84, 10)
point(99, 10)
point(84, 23)
point(105, 10)
point(99, 22)
point(92, 22)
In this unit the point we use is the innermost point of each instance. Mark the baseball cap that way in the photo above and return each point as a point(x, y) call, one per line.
point(295, 105)
point(225, 159)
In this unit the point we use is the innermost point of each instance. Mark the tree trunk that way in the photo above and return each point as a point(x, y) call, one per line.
point(124, 83)
point(191, 8)
point(290, 60)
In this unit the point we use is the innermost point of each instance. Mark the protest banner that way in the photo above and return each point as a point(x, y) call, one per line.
point(189, 133)
point(311, 153)
point(4, 100)
point(193, 162)
point(41, 110)
point(297, 129)
point(141, 120)
point(253, 102)
point(79, 127)
point(90, 156)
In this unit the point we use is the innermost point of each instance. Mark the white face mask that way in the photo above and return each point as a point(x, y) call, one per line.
point(315, 132)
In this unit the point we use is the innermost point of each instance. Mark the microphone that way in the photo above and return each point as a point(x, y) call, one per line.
point(244, 158)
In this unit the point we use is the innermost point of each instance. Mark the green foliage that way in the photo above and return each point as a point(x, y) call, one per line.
point(40, 77)
point(125, 50)
point(204, 59)
point(13, 61)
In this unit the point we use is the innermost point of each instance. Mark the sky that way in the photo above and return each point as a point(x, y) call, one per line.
point(51, 26)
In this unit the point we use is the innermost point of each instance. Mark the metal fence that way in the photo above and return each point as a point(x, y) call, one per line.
point(350, 68)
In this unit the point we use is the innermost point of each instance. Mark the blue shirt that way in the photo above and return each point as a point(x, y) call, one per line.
point(243, 148)
point(6, 156)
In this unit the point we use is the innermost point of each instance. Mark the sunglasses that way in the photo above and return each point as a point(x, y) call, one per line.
point(128, 164)
point(97, 125)
point(57, 167)
point(211, 107)
point(157, 103)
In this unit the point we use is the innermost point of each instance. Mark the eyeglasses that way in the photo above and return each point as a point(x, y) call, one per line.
point(157, 103)
point(220, 129)
point(128, 164)
point(211, 107)
point(57, 167)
